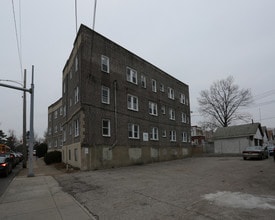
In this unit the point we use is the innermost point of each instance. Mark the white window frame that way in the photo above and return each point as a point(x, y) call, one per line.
point(183, 117)
point(76, 64)
point(173, 136)
point(154, 135)
point(171, 93)
point(106, 128)
point(163, 109)
point(182, 98)
point(164, 133)
point(161, 87)
point(154, 85)
point(172, 114)
point(64, 135)
point(132, 102)
point(76, 95)
point(153, 108)
point(133, 131)
point(76, 128)
point(143, 81)
point(105, 95)
point(105, 65)
point(131, 75)
point(184, 137)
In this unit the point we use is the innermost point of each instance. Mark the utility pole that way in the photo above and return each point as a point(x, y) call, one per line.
point(24, 123)
point(31, 142)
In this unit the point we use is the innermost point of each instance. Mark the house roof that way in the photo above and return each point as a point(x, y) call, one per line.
point(237, 131)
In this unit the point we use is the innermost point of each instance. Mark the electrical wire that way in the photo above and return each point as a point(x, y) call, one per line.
point(17, 38)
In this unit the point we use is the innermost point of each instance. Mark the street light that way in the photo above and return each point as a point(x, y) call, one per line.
point(31, 142)
point(24, 165)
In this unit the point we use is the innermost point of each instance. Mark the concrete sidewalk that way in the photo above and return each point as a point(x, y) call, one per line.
point(39, 197)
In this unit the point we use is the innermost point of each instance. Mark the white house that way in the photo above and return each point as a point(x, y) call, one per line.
point(234, 139)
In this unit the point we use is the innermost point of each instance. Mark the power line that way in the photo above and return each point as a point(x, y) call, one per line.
point(17, 40)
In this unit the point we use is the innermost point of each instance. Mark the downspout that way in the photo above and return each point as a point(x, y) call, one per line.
point(115, 88)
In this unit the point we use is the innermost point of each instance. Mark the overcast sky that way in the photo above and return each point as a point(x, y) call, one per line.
point(196, 41)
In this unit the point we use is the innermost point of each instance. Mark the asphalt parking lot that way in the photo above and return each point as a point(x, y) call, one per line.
point(192, 188)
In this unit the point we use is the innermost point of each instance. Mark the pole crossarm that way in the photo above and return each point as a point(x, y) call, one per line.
point(15, 87)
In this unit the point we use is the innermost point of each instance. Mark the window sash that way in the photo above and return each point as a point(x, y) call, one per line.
point(172, 114)
point(133, 131)
point(172, 135)
point(76, 128)
point(154, 85)
point(105, 64)
point(105, 95)
point(153, 108)
point(143, 81)
point(132, 102)
point(131, 75)
point(106, 128)
point(154, 134)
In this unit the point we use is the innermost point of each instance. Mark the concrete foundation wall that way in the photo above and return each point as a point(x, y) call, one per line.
point(102, 157)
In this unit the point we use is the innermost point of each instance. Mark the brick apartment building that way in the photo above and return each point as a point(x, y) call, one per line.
point(55, 125)
point(118, 109)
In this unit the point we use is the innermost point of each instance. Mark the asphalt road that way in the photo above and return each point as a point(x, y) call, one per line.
point(192, 188)
point(5, 181)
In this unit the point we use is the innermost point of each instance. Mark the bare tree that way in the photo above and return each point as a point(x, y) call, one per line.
point(221, 104)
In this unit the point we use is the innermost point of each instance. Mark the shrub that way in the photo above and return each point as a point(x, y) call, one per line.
point(52, 157)
point(41, 150)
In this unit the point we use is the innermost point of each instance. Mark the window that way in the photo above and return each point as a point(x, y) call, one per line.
point(133, 131)
point(76, 127)
point(70, 157)
point(163, 110)
point(55, 129)
point(70, 129)
point(75, 154)
point(105, 64)
point(154, 85)
point(153, 108)
point(132, 102)
point(184, 137)
point(71, 74)
point(64, 87)
point(164, 133)
point(171, 93)
point(105, 95)
point(76, 64)
point(76, 95)
point(55, 114)
point(161, 87)
point(64, 135)
point(172, 114)
point(154, 135)
point(50, 131)
point(60, 111)
point(50, 117)
point(182, 98)
point(143, 81)
point(173, 136)
point(131, 75)
point(70, 102)
point(106, 128)
point(183, 117)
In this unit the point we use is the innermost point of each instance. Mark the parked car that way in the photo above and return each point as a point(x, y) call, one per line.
point(257, 152)
point(271, 149)
point(5, 165)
